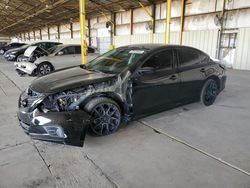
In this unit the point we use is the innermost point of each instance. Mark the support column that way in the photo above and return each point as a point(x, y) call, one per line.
point(29, 35)
point(48, 33)
point(113, 31)
point(89, 26)
point(34, 35)
point(183, 3)
point(58, 32)
point(40, 31)
point(71, 31)
point(131, 25)
point(82, 32)
point(168, 21)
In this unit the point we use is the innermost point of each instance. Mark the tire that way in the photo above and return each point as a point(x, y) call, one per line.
point(44, 68)
point(105, 116)
point(209, 92)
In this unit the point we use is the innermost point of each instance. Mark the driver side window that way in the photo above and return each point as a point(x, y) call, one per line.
point(161, 61)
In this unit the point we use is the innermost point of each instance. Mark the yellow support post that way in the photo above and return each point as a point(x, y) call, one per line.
point(223, 8)
point(168, 19)
point(82, 32)
point(131, 25)
point(182, 20)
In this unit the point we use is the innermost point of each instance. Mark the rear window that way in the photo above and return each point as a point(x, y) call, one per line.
point(190, 57)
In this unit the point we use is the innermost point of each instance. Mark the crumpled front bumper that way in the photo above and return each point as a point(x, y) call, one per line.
point(63, 127)
point(25, 67)
point(9, 57)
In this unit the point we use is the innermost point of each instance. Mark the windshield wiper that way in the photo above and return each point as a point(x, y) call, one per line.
point(86, 68)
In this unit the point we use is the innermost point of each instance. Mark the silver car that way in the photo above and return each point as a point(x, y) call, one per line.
point(60, 57)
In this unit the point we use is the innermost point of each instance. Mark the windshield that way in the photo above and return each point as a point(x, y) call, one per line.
point(25, 46)
point(115, 61)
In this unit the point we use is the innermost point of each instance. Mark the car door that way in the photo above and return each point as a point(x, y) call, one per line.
point(192, 65)
point(64, 58)
point(155, 84)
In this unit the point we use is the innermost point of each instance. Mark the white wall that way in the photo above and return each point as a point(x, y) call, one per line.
point(4, 39)
point(199, 26)
point(242, 58)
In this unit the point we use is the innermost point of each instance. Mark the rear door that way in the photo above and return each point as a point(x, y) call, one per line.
point(192, 65)
point(158, 90)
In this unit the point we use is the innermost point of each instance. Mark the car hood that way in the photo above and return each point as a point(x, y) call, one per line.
point(16, 50)
point(67, 79)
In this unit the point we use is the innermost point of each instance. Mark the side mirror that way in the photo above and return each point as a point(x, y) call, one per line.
point(60, 53)
point(146, 70)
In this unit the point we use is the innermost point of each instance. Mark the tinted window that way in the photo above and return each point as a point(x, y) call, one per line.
point(41, 45)
point(189, 57)
point(69, 50)
point(78, 49)
point(160, 61)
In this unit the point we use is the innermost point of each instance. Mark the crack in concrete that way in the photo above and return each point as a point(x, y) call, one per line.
point(10, 80)
point(159, 131)
point(12, 146)
point(39, 153)
point(115, 185)
point(3, 91)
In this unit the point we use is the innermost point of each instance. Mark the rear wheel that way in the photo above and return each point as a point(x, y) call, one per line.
point(209, 92)
point(44, 68)
point(105, 116)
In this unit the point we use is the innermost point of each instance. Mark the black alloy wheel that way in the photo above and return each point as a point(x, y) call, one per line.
point(209, 92)
point(105, 116)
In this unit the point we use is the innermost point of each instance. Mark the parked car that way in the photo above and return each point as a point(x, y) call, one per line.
point(126, 83)
point(60, 57)
point(13, 54)
point(5, 48)
point(17, 53)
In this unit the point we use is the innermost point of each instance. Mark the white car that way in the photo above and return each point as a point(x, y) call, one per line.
point(60, 57)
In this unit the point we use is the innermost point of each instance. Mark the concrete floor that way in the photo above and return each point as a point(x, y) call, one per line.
point(191, 146)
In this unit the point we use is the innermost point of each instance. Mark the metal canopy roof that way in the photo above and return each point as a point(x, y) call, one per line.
point(23, 15)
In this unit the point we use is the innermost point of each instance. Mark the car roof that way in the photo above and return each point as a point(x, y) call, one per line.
point(45, 42)
point(67, 45)
point(157, 46)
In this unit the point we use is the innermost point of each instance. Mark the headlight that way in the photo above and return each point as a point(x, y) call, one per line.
point(13, 53)
point(63, 101)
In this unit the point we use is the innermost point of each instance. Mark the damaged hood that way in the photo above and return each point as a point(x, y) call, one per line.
point(67, 79)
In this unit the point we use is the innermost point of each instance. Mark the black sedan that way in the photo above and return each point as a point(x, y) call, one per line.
point(3, 49)
point(124, 84)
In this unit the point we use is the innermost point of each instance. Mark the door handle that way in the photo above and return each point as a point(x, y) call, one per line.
point(203, 70)
point(173, 77)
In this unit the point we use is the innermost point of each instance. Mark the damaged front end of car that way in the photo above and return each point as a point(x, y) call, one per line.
point(56, 125)
point(61, 117)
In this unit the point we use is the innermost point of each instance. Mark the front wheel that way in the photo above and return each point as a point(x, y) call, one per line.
point(44, 68)
point(209, 92)
point(105, 116)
